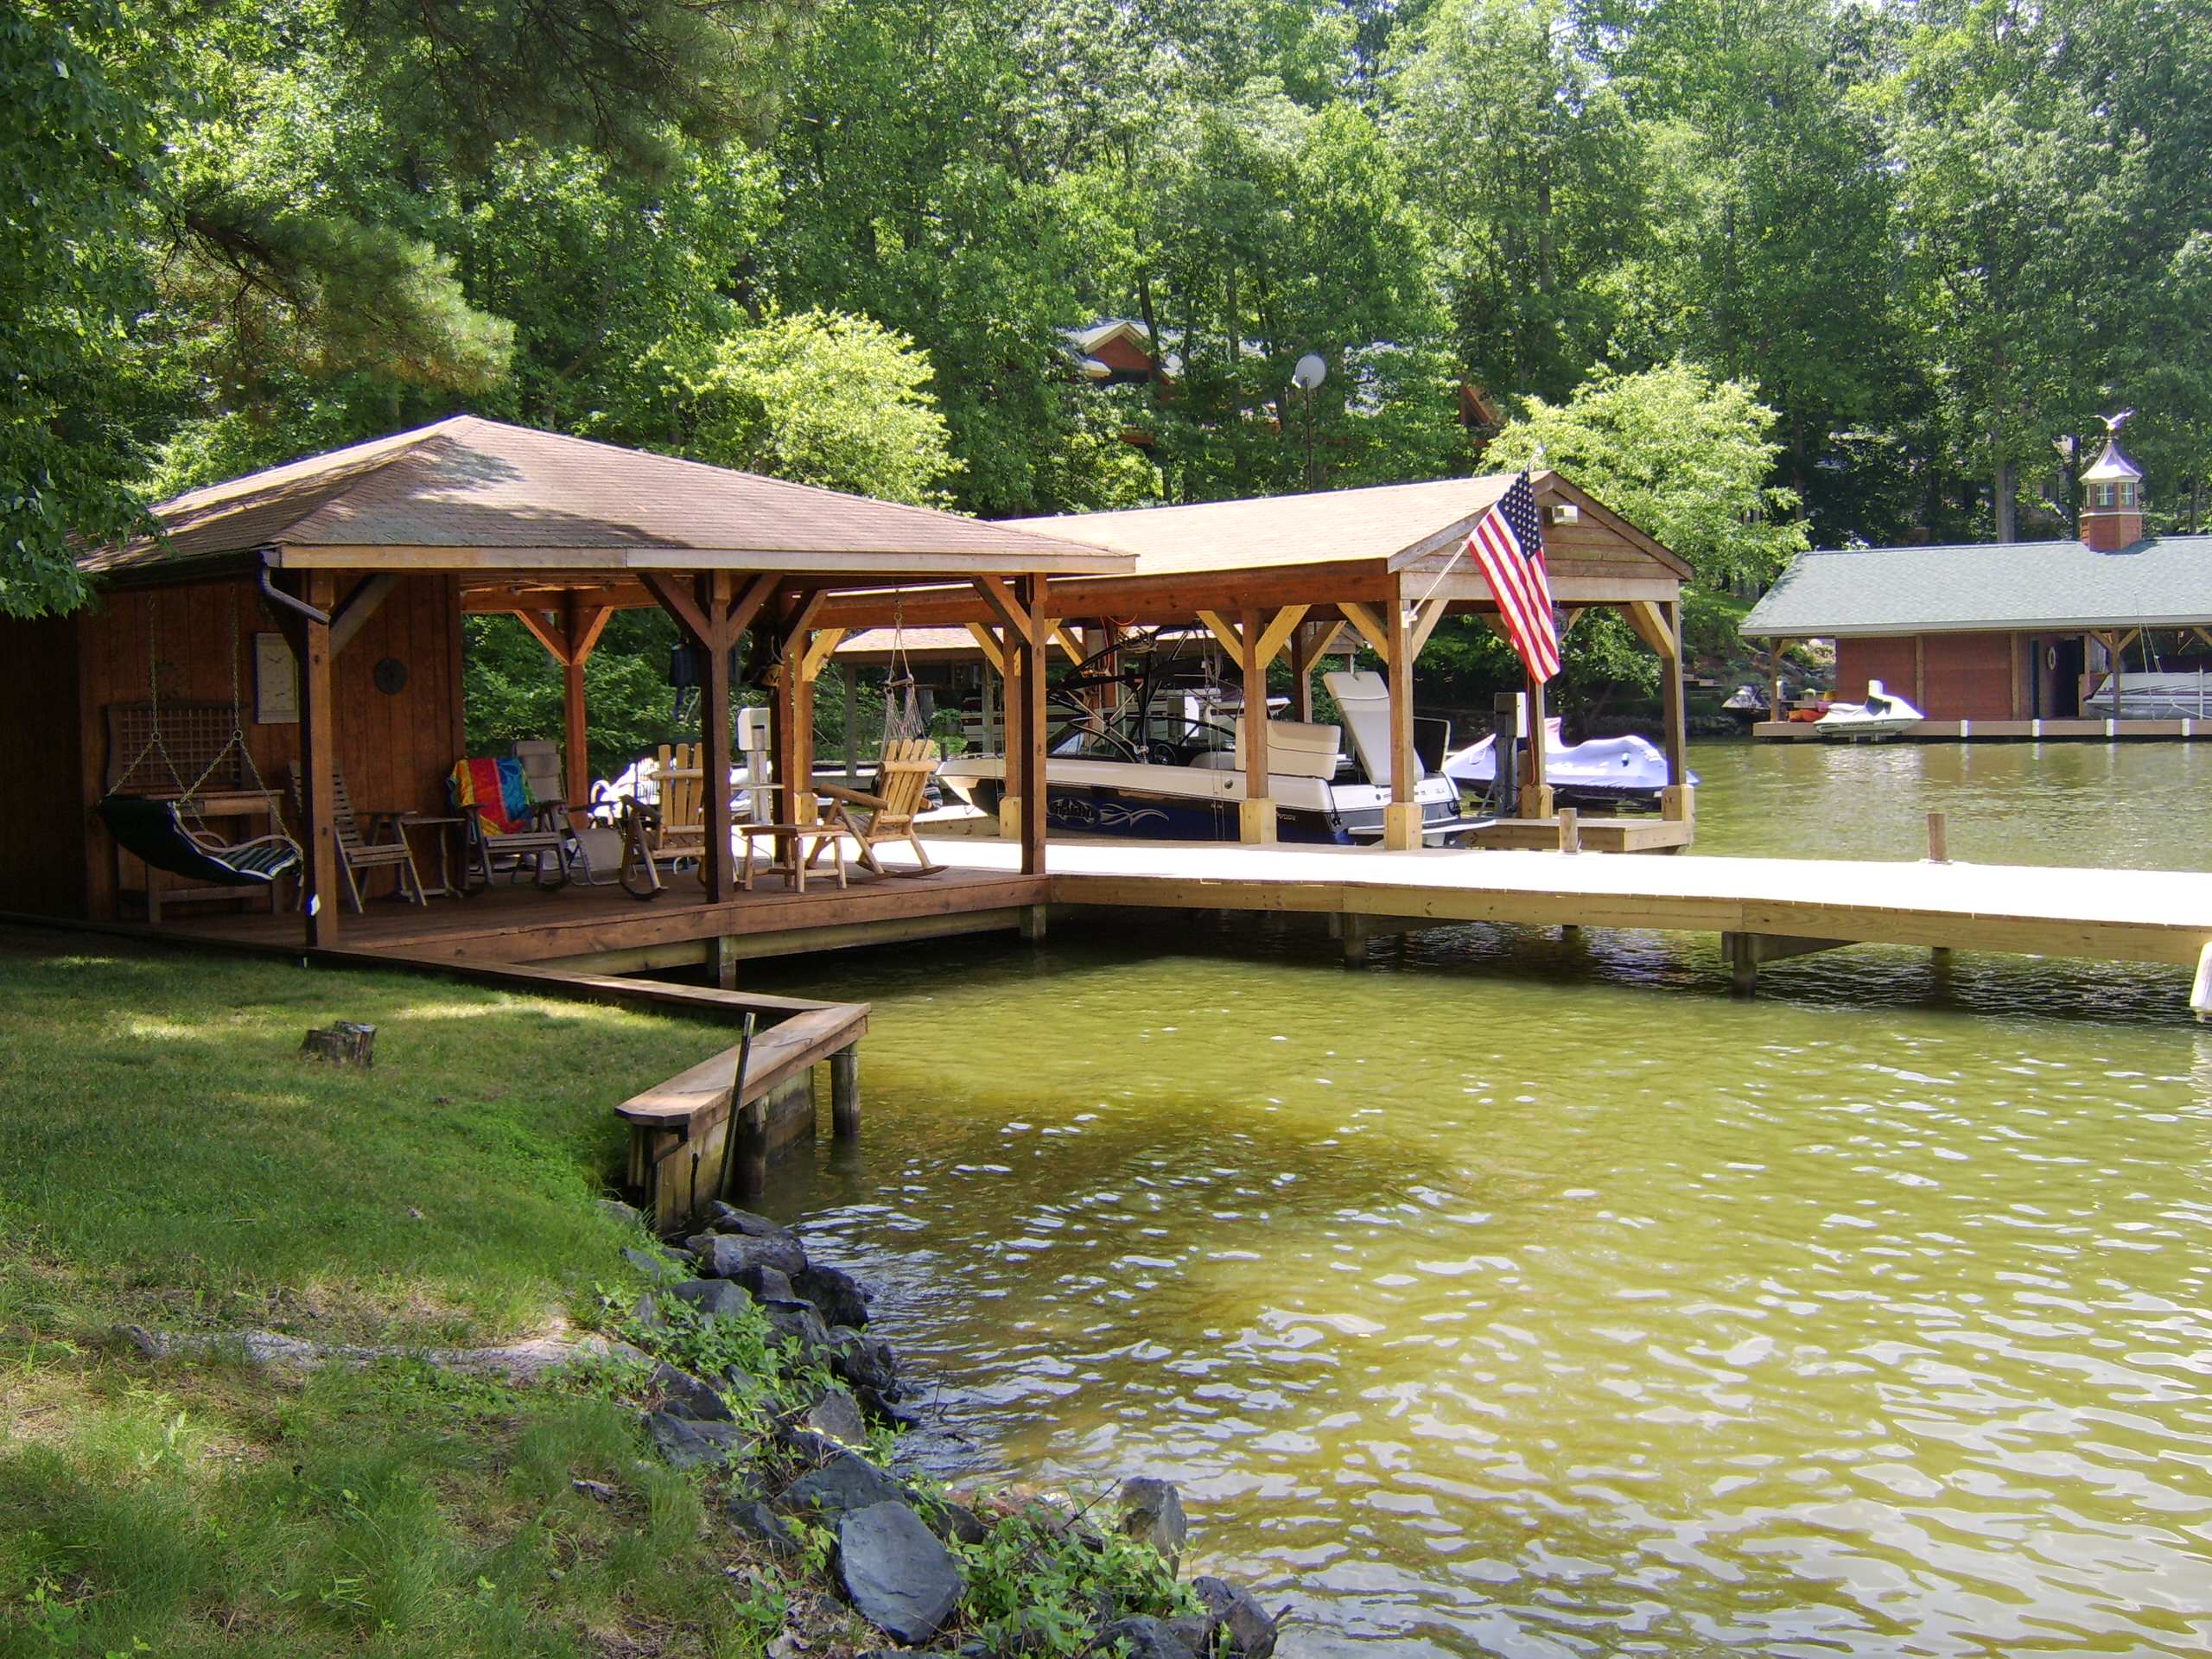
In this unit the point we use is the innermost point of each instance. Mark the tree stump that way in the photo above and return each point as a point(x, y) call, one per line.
point(346, 1042)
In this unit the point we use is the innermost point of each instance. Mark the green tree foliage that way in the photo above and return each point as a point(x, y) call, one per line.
point(1682, 456)
point(818, 399)
point(72, 146)
point(847, 240)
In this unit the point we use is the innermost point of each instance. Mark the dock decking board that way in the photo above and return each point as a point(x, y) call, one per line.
point(2105, 915)
point(519, 924)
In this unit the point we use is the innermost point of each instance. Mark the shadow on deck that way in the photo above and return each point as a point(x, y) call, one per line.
point(604, 930)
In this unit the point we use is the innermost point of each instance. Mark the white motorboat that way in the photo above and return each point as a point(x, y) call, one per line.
point(1605, 772)
point(1177, 779)
point(2151, 696)
point(1884, 714)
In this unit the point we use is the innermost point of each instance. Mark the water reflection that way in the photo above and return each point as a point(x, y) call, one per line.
point(1532, 1297)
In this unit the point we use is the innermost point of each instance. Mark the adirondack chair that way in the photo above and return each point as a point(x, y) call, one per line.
point(385, 848)
point(672, 833)
point(903, 774)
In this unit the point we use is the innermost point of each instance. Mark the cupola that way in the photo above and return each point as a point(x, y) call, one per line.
point(2112, 495)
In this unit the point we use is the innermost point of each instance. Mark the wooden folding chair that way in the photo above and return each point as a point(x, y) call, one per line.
point(901, 779)
point(384, 849)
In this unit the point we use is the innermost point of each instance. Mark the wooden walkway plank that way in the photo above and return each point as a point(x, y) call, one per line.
point(2152, 915)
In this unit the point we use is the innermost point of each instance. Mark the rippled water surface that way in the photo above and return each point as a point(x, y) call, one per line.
point(1527, 1296)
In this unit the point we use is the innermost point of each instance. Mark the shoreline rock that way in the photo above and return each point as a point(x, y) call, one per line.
point(896, 1549)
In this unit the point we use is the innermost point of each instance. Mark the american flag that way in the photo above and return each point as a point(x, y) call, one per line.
point(1508, 544)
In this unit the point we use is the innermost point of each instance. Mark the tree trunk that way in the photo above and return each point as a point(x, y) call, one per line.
point(2001, 494)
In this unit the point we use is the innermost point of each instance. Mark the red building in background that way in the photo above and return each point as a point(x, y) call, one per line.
point(2103, 636)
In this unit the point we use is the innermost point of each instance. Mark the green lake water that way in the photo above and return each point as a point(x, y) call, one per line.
point(1532, 1296)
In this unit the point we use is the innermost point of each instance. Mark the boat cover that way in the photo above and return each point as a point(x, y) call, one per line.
point(1624, 766)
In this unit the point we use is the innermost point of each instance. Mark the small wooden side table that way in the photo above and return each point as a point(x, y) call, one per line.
point(806, 839)
point(443, 831)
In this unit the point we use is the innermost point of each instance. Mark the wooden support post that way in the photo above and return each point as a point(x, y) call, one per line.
point(1939, 839)
point(1678, 801)
point(845, 1093)
point(1742, 952)
point(722, 962)
point(1352, 933)
point(1256, 811)
point(714, 597)
point(1535, 793)
point(1919, 671)
point(749, 1123)
point(1775, 711)
point(1570, 832)
point(1034, 919)
point(1402, 817)
point(1305, 645)
point(1029, 592)
point(319, 764)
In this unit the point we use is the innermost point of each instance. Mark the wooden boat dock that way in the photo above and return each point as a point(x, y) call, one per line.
point(1762, 909)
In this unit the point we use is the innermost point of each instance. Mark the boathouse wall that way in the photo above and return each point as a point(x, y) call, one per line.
point(1946, 676)
point(42, 832)
point(394, 747)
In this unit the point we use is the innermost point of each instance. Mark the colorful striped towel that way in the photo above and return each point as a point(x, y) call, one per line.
point(500, 790)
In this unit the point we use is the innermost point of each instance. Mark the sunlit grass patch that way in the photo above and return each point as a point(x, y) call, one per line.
point(172, 1156)
point(174, 1162)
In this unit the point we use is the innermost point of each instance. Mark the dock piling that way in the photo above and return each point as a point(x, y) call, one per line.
point(1939, 839)
point(845, 1093)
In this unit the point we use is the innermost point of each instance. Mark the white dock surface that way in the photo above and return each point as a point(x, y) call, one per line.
point(2106, 915)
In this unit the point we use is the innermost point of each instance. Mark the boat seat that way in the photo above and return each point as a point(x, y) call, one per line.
point(1298, 748)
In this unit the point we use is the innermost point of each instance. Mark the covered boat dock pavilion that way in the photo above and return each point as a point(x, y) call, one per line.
point(1293, 575)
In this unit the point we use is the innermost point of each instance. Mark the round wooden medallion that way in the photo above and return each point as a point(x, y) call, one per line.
point(392, 677)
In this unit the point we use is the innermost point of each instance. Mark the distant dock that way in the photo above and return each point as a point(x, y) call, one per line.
point(2073, 730)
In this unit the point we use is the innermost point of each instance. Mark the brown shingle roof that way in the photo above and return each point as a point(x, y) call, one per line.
point(1395, 522)
point(1397, 526)
point(467, 493)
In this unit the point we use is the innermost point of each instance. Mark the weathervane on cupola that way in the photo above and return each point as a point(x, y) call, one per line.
point(2112, 494)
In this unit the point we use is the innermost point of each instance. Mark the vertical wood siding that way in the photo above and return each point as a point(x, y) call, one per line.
point(42, 831)
point(395, 749)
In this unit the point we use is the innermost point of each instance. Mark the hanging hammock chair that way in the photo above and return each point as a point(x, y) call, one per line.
point(154, 827)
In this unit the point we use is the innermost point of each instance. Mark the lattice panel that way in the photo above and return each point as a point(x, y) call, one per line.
point(192, 732)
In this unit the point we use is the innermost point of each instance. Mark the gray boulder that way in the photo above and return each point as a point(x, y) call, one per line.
point(621, 1214)
point(957, 1522)
point(833, 1420)
point(797, 1322)
point(685, 1395)
point(1152, 1513)
point(1146, 1637)
point(835, 1293)
point(843, 1484)
point(1251, 1632)
point(898, 1575)
point(658, 1269)
point(729, 1219)
point(712, 1296)
point(689, 1444)
point(763, 1525)
point(726, 1255)
point(865, 1362)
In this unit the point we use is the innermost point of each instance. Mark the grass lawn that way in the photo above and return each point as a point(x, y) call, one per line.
point(171, 1160)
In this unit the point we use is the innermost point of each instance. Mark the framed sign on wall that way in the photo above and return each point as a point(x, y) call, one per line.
point(275, 682)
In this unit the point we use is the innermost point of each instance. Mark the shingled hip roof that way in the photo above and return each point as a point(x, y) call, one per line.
point(467, 493)
point(2009, 586)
